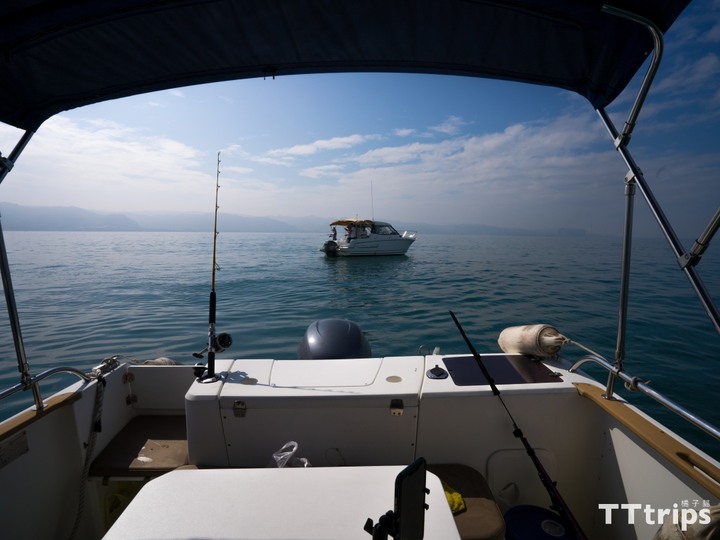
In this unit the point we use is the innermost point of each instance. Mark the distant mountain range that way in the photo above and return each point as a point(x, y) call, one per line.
point(69, 218)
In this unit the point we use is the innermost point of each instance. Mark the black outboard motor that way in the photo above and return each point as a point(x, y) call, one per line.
point(330, 248)
point(333, 338)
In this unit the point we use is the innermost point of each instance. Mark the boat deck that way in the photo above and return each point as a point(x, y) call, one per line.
point(147, 446)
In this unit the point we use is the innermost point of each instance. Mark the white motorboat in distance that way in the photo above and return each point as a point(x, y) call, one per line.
point(366, 237)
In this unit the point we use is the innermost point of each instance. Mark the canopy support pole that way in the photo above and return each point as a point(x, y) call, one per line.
point(692, 257)
point(700, 245)
point(635, 179)
point(624, 138)
point(6, 165)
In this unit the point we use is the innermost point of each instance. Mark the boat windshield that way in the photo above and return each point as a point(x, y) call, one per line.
point(384, 228)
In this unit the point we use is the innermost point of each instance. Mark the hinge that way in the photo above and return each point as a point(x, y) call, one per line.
point(239, 409)
point(396, 407)
point(128, 377)
point(6, 164)
point(130, 399)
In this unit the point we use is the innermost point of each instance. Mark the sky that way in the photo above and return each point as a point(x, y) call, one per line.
point(402, 148)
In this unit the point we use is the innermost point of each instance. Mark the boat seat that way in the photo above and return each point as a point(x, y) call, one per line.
point(148, 446)
point(481, 519)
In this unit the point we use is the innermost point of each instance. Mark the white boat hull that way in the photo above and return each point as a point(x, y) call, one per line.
point(365, 237)
point(598, 452)
point(373, 246)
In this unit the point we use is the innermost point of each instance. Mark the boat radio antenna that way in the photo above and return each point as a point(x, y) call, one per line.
point(558, 503)
point(219, 342)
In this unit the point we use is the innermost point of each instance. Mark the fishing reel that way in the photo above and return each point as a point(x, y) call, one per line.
point(220, 342)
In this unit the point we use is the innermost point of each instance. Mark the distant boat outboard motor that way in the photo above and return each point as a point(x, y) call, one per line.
point(330, 248)
point(333, 338)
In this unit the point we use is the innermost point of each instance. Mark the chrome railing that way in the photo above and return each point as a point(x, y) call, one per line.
point(33, 381)
point(636, 384)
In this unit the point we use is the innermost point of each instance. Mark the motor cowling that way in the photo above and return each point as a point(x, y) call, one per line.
point(330, 248)
point(333, 338)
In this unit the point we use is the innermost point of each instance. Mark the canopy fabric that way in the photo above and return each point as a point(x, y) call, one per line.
point(61, 54)
point(353, 222)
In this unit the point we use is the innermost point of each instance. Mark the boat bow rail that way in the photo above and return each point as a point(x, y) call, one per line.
point(635, 384)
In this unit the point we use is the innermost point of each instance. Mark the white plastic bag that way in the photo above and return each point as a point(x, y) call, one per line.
point(285, 457)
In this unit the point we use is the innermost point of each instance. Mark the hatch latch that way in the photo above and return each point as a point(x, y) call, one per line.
point(239, 409)
point(396, 407)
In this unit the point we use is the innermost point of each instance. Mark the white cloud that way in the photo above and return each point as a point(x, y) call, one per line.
point(396, 154)
point(335, 143)
point(558, 173)
point(231, 149)
point(104, 166)
point(713, 34)
point(693, 75)
point(321, 171)
point(451, 126)
point(403, 132)
point(523, 173)
point(227, 170)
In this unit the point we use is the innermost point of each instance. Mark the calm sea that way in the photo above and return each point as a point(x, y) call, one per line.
point(85, 296)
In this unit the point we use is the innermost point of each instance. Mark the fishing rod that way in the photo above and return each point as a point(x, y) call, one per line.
point(557, 502)
point(216, 343)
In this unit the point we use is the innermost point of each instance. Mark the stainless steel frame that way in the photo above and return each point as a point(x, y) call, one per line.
point(635, 179)
point(638, 385)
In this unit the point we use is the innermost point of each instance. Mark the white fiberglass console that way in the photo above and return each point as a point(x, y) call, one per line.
point(340, 412)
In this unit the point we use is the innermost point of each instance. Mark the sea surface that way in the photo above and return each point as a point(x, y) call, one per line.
point(84, 296)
